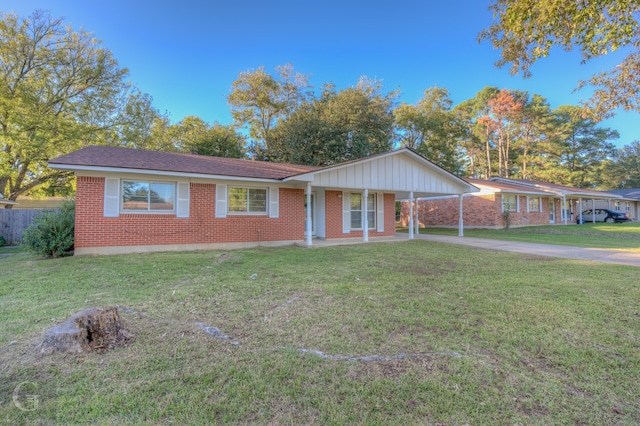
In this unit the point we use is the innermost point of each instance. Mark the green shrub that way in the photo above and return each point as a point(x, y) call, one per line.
point(52, 233)
point(3, 242)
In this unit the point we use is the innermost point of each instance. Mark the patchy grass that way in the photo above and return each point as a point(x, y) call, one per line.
point(615, 236)
point(543, 340)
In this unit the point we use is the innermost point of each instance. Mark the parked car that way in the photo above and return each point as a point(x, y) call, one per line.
point(605, 215)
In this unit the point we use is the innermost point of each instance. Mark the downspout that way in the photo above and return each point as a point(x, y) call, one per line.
point(411, 215)
point(309, 224)
point(460, 222)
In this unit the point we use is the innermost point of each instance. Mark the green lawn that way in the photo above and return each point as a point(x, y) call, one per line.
point(541, 340)
point(617, 236)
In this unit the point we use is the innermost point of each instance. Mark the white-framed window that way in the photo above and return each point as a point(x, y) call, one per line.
point(534, 204)
point(358, 207)
point(627, 206)
point(146, 196)
point(247, 200)
point(509, 203)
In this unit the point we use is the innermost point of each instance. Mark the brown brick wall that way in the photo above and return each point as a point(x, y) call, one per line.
point(478, 211)
point(95, 230)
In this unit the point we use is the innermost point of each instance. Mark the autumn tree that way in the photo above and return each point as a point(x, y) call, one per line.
point(59, 90)
point(260, 100)
point(526, 30)
point(432, 128)
point(479, 142)
point(504, 110)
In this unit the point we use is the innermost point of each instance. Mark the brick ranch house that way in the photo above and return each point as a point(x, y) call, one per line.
point(130, 200)
point(527, 203)
point(629, 203)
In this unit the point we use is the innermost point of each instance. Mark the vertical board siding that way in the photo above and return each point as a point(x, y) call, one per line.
point(13, 222)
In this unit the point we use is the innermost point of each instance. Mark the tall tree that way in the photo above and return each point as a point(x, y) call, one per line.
point(536, 128)
point(59, 90)
point(259, 101)
point(623, 172)
point(578, 150)
point(339, 126)
point(527, 30)
point(480, 131)
point(432, 128)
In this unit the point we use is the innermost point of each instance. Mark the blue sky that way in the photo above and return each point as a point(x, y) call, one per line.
point(187, 54)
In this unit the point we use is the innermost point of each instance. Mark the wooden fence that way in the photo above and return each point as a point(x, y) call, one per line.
point(13, 222)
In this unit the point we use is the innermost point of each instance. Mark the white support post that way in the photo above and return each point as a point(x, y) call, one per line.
point(365, 218)
point(579, 218)
point(309, 224)
point(411, 215)
point(460, 223)
point(593, 210)
point(417, 223)
point(564, 210)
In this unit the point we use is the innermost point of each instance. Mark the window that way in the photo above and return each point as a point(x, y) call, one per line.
point(357, 211)
point(533, 204)
point(248, 200)
point(509, 203)
point(148, 196)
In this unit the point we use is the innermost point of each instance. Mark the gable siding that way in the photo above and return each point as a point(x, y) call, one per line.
point(393, 173)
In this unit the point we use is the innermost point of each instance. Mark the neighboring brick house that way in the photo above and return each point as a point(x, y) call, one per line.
point(134, 200)
point(629, 203)
point(522, 203)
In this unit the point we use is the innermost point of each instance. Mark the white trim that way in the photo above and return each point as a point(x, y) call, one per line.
point(221, 200)
point(380, 213)
point(182, 199)
point(111, 197)
point(121, 170)
point(529, 204)
point(274, 200)
point(365, 215)
point(248, 213)
point(346, 212)
point(149, 210)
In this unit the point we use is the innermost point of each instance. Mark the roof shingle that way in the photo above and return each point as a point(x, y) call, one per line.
point(127, 158)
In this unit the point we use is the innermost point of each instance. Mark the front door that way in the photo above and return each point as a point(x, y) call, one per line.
point(552, 211)
point(313, 214)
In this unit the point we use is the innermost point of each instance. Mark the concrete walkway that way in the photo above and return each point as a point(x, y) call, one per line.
point(567, 252)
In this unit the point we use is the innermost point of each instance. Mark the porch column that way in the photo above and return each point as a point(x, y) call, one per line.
point(309, 224)
point(411, 215)
point(564, 209)
point(593, 210)
point(460, 222)
point(579, 212)
point(417, 224)
point(365, 219)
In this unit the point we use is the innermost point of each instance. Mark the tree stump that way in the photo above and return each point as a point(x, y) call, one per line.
point(95, 329)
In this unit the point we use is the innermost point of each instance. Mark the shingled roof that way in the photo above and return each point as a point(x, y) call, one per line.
point(138, 159)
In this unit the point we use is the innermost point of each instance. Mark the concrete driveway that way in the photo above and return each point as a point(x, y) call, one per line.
point(580, 253)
